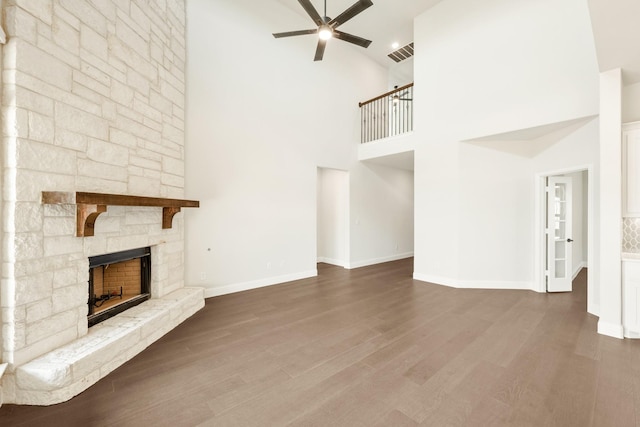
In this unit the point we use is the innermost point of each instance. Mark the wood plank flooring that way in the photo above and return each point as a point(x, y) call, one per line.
point(369, 347)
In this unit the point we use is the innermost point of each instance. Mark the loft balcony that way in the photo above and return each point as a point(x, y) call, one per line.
point(387, 129)
point(387, 115)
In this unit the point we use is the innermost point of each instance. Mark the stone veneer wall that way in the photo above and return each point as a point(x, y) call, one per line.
point(92, 100)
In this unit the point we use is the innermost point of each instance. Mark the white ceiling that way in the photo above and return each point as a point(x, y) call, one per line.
point(385, 22)
point(616, 30)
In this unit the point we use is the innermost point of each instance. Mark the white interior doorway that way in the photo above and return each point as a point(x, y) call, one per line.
point(563, 253)
point(333, 217)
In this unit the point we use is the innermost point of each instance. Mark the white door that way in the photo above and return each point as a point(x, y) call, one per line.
point(559, 227)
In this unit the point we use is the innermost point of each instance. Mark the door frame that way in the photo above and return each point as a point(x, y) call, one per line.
point(345, 214)
point(540, 234)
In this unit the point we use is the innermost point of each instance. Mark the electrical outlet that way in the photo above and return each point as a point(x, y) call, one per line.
point(203, 276)
point(269, 265)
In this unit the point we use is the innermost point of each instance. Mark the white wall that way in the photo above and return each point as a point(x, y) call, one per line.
point(381, 214)
point(631, 103)
point(579, 221)
point(480, 71)
point(495, 217)
point(333, 216)
point(502, 65)
point(262, 116)
point(401, 73)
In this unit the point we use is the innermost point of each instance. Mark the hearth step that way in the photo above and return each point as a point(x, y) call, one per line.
point(67, 371)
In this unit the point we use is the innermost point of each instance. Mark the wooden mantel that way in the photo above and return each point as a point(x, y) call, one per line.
point(90, 205)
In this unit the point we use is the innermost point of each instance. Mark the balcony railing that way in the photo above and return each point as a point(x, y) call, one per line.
point(389, 114)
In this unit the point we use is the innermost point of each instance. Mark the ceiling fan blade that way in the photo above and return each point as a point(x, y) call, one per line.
point(349, 13)
point(295, 33)
point(351, 38)
point(320, 50)
point(311, 11)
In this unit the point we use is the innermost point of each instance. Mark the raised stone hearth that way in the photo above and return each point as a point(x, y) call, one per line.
point(63, 373)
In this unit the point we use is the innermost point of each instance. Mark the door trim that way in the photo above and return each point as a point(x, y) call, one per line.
point(540, 237)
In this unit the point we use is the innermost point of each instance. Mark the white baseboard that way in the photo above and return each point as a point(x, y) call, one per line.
point(631, 334)
point(332, 261)
point(254, 284)
point(578, 269)
point(372, 261)
point(438, 280)
point(473, 284)
point(610, 329)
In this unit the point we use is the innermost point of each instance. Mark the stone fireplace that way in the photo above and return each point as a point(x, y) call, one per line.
point(92, 101)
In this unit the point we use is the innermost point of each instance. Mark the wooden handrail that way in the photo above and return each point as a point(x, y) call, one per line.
point(391, 92)
point(90, 205)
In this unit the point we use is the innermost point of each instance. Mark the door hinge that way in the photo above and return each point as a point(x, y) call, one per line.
point(546, 273)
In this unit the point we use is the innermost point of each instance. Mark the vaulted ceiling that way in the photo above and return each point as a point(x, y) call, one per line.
point(615, 28)
point(617, 36)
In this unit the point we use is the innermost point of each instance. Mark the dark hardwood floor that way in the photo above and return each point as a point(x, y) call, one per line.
point(369, 347)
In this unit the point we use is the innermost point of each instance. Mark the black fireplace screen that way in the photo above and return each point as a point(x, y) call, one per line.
point(117, 282)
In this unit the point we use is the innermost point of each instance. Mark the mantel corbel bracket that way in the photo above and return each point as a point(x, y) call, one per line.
point(86, 216)
point(167, 216)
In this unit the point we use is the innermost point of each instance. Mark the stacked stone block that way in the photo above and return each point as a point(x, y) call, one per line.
point(92, 100)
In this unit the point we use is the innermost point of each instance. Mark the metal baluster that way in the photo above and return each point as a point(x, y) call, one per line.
point(381, 118)
point(398, 111)
point(381, 124)
point(377, 121)
point(375, 136)
point(371, 121)
point(411, 111)
point(368, 123)
point(404, 113)
point(385, 122)
point(361, 126)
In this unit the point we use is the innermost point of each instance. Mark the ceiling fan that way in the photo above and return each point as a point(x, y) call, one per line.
point(327, 26)
point(397, 97)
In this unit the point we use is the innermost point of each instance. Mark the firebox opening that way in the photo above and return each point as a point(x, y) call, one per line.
point(118, 281)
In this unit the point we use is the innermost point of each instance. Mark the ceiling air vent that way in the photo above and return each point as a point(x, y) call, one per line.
point(403, 53)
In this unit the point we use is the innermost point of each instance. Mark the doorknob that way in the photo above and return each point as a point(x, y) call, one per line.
point(569, 240)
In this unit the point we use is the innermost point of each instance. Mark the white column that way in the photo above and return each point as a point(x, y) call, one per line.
point(610, 277)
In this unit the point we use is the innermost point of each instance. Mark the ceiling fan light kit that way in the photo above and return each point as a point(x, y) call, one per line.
point(325, 32)
point(327, 26)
